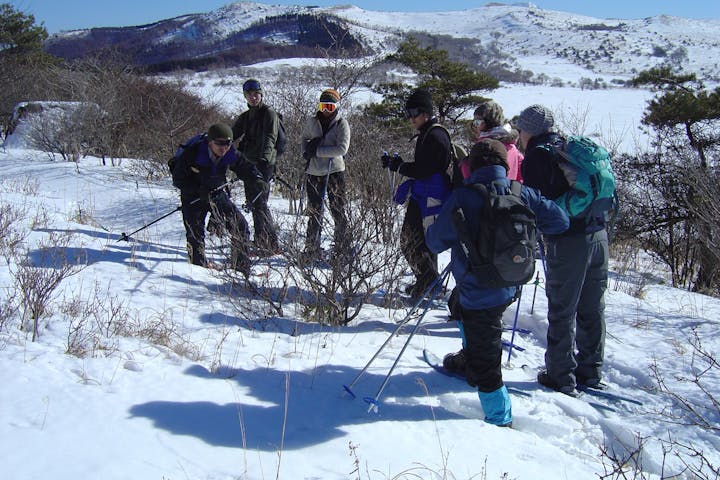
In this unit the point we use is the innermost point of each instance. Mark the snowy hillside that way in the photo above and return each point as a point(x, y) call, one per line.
point(605, 47)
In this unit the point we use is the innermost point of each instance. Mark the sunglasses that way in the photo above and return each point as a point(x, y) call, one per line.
point(222, 143)
point(412, 112)
point(327, 107)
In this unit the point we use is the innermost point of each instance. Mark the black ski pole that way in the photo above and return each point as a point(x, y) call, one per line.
point(348, 387)
point(125, 237)
point(536, 282)
point(247, 207)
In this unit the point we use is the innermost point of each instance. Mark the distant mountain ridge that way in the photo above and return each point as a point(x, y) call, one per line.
point(244, 33)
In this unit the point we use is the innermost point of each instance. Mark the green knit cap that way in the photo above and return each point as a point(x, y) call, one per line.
point(220, 131)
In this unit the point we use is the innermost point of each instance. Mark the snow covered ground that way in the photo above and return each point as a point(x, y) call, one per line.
point(219, 395)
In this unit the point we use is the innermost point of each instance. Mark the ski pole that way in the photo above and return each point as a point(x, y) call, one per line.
point(348, 387)
point(536, 282)
point(374, 401)
point(541, 248)
point(512, 335)
point(247, 207)
point(125, 237)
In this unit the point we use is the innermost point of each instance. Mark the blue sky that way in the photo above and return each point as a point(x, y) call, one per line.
point(73, 14)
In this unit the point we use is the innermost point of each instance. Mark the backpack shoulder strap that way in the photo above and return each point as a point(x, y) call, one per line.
point(440, 126)
point(479, 187)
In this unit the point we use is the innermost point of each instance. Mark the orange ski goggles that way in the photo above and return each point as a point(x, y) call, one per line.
point(327, 107)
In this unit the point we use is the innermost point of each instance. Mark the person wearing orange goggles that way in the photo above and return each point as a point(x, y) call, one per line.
point(325, 140)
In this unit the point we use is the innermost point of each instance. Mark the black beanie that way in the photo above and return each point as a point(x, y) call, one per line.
point(420, 99)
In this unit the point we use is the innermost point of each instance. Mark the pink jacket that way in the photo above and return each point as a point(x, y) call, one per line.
point(514, 157)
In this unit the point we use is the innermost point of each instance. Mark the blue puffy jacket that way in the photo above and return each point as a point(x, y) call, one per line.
point(441, 235)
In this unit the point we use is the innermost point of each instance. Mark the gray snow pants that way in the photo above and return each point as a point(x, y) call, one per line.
point(577, 272)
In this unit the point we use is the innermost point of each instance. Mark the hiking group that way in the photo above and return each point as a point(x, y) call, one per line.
point(494, 208)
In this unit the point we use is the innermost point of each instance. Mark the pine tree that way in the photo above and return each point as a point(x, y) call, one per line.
point(686, 119)
point(452, 84)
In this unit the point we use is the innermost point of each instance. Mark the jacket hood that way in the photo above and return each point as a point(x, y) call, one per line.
point(487, 175)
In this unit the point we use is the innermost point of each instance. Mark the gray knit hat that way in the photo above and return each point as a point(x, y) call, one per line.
point(535, 120)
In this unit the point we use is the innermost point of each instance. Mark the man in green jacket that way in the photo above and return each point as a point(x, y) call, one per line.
point(257, 131)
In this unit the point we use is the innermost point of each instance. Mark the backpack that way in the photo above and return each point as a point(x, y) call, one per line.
point(184, 146)
point(457, 154)
point(503, 253)
point(281, 142)
point(587, 169)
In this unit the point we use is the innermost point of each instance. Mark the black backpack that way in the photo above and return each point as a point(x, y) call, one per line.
point(184, 146)
point(503, 253)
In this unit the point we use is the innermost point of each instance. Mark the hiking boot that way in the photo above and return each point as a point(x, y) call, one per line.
point(593, 383)
point(544, 379)
point(455, 362)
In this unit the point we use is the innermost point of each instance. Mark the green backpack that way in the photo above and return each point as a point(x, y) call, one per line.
point(588, 170)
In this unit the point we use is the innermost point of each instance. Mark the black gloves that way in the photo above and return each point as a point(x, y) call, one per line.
point(311, 148)
point(262, 185)
point(204, 192)
point(393, 163)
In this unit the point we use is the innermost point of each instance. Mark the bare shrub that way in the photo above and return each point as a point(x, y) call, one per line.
point(623, 461)
point(696, 407)
point(573, 120)
point(29, 186)
point(23, 80)
point(65, 129)
point(701, 407)
point(627, 462)
point(629, 277)
point(337, 292)
point(159, 329)
point(261, 297)
point(141, 117)
point(94, 321)
point(38, 275)
point(8, 307)
point(12, 233)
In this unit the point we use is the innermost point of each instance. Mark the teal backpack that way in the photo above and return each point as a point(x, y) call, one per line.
point(588, 170)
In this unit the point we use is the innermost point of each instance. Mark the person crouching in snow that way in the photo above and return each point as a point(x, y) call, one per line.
point(199, 172)
point(481, 306)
